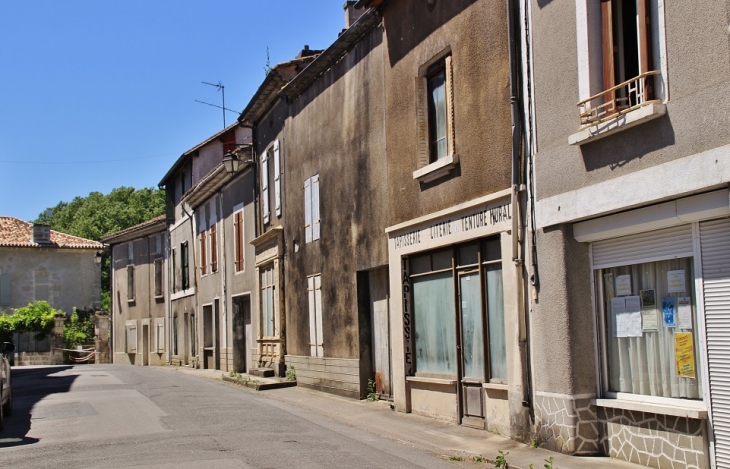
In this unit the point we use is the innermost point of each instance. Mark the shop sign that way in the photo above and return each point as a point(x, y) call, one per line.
point(407, 323)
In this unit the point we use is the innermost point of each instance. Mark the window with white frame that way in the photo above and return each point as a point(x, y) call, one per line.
point(311, 209)
point(268, 306)
point(314, 293)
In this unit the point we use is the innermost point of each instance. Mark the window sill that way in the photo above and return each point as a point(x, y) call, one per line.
point(437, 169)
point(618, 123)
point(662, 409)
point(420, 379)
point(495, 386)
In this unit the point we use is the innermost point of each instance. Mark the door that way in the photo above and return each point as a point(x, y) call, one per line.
point(208, 358)
point(217, 335)
point(242, 333)
point(145, 345)
point(471, 348)
point(380, 320)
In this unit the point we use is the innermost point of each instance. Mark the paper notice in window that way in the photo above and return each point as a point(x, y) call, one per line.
point(668, 311)
point(649, 320)
point(684, 311)
point(675, 281)
point(626, 316)
point(623, 285)
point(685, 354)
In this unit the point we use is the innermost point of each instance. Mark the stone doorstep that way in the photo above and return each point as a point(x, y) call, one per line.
point(262, 372)
point(258, 384)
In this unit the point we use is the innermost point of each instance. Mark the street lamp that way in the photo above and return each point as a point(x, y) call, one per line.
point(231, 162)
point(97, 258)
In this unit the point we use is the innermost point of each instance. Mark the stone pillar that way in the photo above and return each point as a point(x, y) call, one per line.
point(101, 330)
point(56, 340)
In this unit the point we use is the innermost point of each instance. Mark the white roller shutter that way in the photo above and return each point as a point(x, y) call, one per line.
point(715, 245)
point(668, 243)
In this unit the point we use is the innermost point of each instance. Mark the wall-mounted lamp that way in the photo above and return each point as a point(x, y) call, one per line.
point(97, 258)
point(233, 163)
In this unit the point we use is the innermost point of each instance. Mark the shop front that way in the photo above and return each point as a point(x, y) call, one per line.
point(455, 322)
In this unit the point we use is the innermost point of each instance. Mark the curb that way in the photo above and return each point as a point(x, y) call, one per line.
point(258, 385)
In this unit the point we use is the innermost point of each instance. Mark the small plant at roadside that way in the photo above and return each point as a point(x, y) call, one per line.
point(479, 458)
point(534, 443)
point(549, 463)
point(372, 395)
point(455, 458)
point(232, 374)
point(291, 374)
point(500, 462)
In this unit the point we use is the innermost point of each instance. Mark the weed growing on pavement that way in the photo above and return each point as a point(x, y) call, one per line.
point(549, 463)
point(291, 374)
point(534, 443)
point(232, 374)
point(500, 462)
point(455, 458)
point(479, 458)
point(372, 395)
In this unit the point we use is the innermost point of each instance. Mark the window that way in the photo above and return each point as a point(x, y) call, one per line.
point(5, 289)
point(173, 256)
point(130, 253)
point(314, 292)
point(311, 209)
point(174, 335)
point(268, 306)
point(435, 119)
point(159, 337)
point(238, 239)
point(193, 335)
point(130, 283)
point(203, 254)
point(158, 244)
point(214, 248)
point(648, 314)
point(185, 274)
point(265, 186)
point(277, 178)
point(158, 278)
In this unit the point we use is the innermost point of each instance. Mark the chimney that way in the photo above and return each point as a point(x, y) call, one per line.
point(307, 52)
point(351, 14)
point(41, 233)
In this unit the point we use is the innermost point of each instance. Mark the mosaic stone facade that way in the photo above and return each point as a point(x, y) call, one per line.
point(574, 426)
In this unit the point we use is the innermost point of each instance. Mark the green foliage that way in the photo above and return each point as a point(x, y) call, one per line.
point(106, 300)
point(291, 374)
point(97, 215)
point(78, 329)
point(500, 461)
point(549, 463)
point(36, 318)
point(372, 395)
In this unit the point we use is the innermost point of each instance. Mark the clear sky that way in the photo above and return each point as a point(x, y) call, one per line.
point(99, 94)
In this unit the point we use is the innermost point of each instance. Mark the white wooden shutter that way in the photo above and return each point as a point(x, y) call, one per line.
point(715, 247)
point(449, 92)
point(312, 318)
point(131, 339)
point(308, 210)
point(318, 313)
point(160, 337)
point(652, 246)
point(315, 207)
point(5, 289)
point(265, 186)
point(277, 178)
point(422, 122)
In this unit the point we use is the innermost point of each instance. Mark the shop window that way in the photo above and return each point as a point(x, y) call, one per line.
point(435, 334)
point(238, 239)
point(268, 306)
point(314, 293)
point(311, 209)
point(649, 318)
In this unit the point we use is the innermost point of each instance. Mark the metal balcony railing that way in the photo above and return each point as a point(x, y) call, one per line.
point(620, 99)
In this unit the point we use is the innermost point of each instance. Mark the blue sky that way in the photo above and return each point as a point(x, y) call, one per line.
point(97, 94)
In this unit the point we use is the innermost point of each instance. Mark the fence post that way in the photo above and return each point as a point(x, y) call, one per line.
point(56, 340)
point(101, 330)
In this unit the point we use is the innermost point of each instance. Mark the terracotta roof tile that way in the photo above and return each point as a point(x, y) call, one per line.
point(18, 233)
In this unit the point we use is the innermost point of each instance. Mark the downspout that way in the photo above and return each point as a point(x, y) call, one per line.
point(221, 253)
point(517, 189)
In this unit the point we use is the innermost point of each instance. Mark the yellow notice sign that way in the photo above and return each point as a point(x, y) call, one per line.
point(685, 354)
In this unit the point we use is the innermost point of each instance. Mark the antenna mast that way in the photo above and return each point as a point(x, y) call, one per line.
point(222, 89)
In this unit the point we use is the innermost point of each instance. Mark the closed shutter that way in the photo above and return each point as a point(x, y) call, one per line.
point(265, 186)
point(238, 233)
point(214, 247)
point(160, 337)
point(318, 313)
point(449, 91)
point(652, 246)
point(203, 254)
point(315, 207)
point(131, 339)
point(308, 210)
point(312, 318)
point(424, 157)
point(277, 178)
point(5, 289)
point(715, 245)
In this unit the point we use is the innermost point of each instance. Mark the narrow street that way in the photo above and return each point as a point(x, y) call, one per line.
point(127, 416)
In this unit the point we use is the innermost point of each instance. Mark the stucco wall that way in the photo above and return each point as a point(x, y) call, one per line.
point(64, 277)
point(476, 32)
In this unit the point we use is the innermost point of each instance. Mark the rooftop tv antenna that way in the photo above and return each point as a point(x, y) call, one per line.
point(222, 89)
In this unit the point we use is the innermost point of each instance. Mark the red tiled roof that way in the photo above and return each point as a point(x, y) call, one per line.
point(18, 233)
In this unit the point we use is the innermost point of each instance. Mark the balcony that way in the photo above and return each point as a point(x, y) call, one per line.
point(617, 108)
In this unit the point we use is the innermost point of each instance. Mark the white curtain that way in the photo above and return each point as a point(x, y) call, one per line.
point(435, 331)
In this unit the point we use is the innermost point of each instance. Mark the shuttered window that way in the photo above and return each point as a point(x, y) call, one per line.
point(203, 254)
point(314, 293)
point(5, 289)
point(434, 112)
point(214, 248)
point(312, 220)
point(265, 186)
point(158, 278)
point(130, 283)
point(669, 243)
point(131, 338)
point(184, 261)
point(160, 337)
point(238, 239)
point(277, 178)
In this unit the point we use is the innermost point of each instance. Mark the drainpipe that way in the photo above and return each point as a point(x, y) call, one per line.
point(517, 189)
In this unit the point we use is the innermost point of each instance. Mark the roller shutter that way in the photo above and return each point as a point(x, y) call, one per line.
point(652, 246)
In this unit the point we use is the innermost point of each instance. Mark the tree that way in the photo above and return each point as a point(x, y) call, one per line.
point(37, 318)
point(98, 215)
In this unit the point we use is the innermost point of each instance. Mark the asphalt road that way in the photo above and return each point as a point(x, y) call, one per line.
point(117, 416)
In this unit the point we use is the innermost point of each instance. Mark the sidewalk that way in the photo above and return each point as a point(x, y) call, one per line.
point(451, 442)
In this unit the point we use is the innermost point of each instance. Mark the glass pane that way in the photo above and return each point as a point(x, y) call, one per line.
point(421, 264)
point(469, 255)
point(433, 314)
point(492, 250)
point(643, 315)
point(471, 324)
point(442, 260)
point(495, 316)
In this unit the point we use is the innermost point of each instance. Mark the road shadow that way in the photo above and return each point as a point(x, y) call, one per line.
point(30, 385)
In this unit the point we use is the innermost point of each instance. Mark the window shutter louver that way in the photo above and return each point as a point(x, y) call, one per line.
point(277, 178)
point(315, 207)
point(449, 106)
point(265, 186)
point(307, 211)
point(422, 121)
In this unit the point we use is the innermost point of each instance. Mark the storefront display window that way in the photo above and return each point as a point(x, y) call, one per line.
point(649, 317)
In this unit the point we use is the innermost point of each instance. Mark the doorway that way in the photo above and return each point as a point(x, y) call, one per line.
point(472, 350)
point(145, 345)
point(208, 349)
point(380, 320)
point(242, 334)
